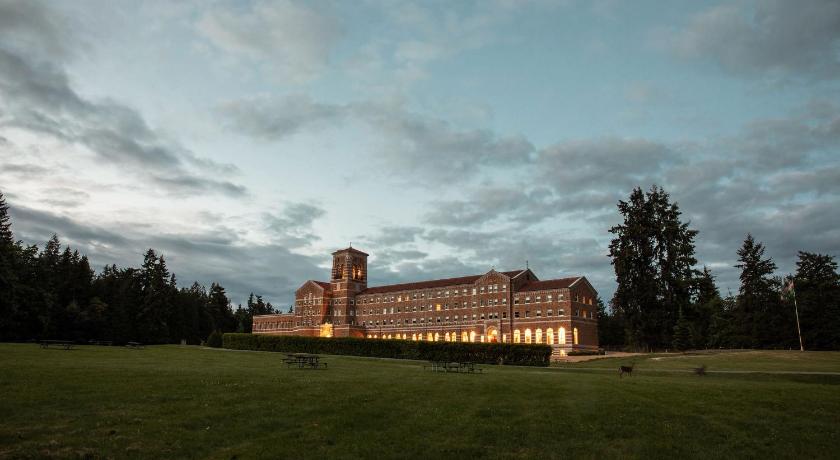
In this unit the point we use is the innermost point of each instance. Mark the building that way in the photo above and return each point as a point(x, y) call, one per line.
point(512, 306)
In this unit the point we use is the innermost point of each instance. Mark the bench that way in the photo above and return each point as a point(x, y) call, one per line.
point(66, 344)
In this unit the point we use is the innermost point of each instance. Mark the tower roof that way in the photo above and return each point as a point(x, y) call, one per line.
point(350, 249)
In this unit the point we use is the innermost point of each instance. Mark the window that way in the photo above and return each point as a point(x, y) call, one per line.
point(575, 333)
point(561, 336)
point(516, 314)
point(527, 313)
point(516, 336)
point(539, 313)
point(527, 335)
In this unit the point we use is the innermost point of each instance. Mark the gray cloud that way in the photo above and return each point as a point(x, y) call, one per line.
point(406, 140)
point(774, 38)
point(38, 97)
point(288, 37)
point(213, 256)
point(292, 227)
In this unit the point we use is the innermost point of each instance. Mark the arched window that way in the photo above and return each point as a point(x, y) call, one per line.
point(539, 335)
point(465, 337)
point(561, 336)
point(472, 336)
point(575, 332)
point(446, 337)
point(527, 335)
point(430, 337)
point(549, 336)
point(413, 336)
point(516, 336)
point(437, 337)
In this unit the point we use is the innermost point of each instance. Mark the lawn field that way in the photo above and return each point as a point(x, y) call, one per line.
point(750, 360)
point(190, 402)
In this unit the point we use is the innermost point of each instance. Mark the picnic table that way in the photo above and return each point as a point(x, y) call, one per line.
point(134, 345)
point(66, 344)
point(303, 360)
point(455, 366)
point(100, 342)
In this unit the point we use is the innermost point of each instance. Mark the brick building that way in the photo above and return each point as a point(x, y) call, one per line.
point(513, 306)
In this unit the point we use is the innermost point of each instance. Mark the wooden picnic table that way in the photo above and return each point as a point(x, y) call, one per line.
point(303, 360)
point(455, 366)
point(66, 344)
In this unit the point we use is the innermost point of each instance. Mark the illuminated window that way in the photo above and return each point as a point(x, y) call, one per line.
point(538, 335)
point(527, 335)
point(549, 336)
point(437, 337)
point(516, 336)
point(575, 333)
point(561, 335)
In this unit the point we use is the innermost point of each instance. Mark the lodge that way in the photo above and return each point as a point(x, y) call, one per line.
point(510, 306)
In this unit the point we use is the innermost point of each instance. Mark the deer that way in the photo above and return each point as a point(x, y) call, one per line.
point(625, 369)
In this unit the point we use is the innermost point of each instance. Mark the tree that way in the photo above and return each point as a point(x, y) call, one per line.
point(682, 334)
point(763, 320)
point(817, 287)
point(653, 257)
point(8, 274)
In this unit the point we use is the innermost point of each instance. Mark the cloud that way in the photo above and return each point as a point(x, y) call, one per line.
point(214, 255)
point(406, 140)
point(774, 38)
point(288, 37)
point(292, 227)
point(37, 97)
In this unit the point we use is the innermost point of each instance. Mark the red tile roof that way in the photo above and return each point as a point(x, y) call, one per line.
point(323, 284)
point(350, 249)
point(430, 284)
point(560, 283)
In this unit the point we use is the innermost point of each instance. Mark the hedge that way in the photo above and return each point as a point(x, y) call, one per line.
point(484, 353)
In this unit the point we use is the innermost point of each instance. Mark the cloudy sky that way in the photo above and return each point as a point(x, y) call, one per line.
point(248, 140)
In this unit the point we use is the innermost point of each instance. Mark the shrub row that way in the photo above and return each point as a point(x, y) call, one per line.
point(586, 352)
point(485, 353)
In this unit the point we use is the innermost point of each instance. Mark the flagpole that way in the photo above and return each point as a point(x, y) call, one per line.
point(796, 309)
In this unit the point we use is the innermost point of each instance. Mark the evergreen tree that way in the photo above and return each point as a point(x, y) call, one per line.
point(763, 320)
point(682, 334)
point(8, 274)
point(653, 257)
point(817, 290)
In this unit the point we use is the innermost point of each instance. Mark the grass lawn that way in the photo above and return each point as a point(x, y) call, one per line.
point(750, 360)
point(189, 402)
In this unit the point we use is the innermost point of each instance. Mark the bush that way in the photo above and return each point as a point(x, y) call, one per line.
point(485, 353)
point(215, 339)
point(585, 353)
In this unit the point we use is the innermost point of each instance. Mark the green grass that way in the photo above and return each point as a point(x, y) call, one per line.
point(751, 360)
point(188, 402)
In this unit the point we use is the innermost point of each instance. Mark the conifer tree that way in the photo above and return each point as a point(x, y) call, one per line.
point(817, 290)
point(653, 257)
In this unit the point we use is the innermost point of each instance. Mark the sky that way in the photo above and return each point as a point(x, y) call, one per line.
point(247, 141)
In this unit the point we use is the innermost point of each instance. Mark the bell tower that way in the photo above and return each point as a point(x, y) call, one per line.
point(349, 277)
point(349, 270)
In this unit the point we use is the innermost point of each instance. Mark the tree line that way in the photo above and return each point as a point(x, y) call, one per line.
point(663, 301)
point(52, 293)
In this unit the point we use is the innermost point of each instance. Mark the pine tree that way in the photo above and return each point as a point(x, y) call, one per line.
point(653, 257)
point(817, 287)
point(759, 310)
point(8, 275)
point(682, 335)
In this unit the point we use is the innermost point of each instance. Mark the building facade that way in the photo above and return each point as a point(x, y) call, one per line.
point(512, 306)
